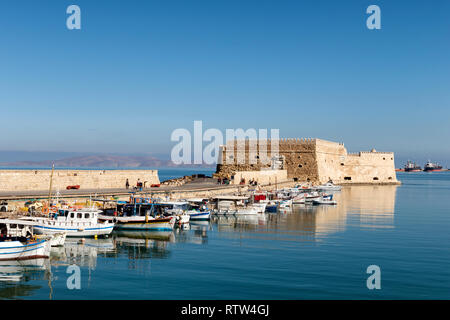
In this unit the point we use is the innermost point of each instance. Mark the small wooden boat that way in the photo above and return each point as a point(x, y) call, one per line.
point(199, 215)
point(163, 223)
point(198, 210)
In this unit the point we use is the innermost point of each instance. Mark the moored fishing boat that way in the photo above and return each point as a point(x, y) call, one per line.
point(325, 200)
point(329, 186)
point(300, 199)
point(199, 215)
point(56, 239)
point(151, 223)
point(272, 207)
point(286, 204)
point(75, 223)
point(198, 210)
point(176, 209)
point(260, 207)
point(21, 246)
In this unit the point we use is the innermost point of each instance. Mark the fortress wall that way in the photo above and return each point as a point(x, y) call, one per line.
point(23, 180)
point(262, 177)
point(299, 157)
point(317, 161)
point(330, 156)
point(369, 167)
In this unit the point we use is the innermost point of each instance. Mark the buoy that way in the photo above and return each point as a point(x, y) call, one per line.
point(95, 237)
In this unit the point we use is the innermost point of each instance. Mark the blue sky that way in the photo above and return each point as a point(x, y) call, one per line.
point(137, 70)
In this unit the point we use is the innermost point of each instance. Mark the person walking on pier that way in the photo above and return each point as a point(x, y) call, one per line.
point(127, 184)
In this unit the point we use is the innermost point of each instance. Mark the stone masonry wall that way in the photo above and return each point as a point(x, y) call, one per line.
point(23, 180)
point(314, 160)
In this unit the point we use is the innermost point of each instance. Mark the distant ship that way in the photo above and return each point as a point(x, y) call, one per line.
point(412, 167)
point(430, 166)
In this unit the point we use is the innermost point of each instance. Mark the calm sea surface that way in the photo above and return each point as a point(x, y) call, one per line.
point(309, 253)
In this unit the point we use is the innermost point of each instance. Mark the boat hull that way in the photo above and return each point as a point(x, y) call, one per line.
point(271, 208)
point(200, 216)
point(16, 250)
point(74, 232)
point(56, 240)
point(156, 224)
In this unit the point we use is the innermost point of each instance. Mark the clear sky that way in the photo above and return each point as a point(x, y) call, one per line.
point(137, 70)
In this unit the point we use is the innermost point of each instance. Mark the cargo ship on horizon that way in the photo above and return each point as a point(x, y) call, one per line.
point(431, 167)
point(412, 167)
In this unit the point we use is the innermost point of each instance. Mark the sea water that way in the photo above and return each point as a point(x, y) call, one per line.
point(311, 252)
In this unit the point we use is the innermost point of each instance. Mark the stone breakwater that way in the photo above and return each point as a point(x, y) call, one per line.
point(24, 180)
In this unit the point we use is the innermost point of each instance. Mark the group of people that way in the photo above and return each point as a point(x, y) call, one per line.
point(223, 181)
point(251, 182)
point(139, 184)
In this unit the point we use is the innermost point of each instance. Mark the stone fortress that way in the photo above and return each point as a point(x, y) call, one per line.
point(313, 160)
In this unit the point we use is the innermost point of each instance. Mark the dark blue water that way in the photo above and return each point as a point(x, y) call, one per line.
point(310, 253)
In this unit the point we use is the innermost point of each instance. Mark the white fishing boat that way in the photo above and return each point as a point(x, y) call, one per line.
point(75, 223)
point(56, 239)
point(329, 186)
point(175, 208)
point(325, 200)
point(151, 223)
point(311, 196)
point(198, 210)
point(285, 204)
point(260, 206)
point(199, 215)
point(234, 205)
point(300, 199)
point(15, 246)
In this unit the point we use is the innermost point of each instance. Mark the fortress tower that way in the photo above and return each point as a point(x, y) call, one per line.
point(312, 160)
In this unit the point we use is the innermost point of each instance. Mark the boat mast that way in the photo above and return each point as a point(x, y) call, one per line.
point(51, 182)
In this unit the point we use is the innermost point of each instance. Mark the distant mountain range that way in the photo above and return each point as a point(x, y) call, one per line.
point(102, 161)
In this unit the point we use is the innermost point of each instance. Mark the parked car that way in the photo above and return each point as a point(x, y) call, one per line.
point(76, 187)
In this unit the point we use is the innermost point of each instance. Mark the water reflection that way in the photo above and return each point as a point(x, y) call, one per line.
point(141, 245)
point(366, 206)
point(194, 232)
point(82, 252)
point(16, 275)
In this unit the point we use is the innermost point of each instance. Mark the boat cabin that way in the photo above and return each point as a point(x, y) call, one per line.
point(14, 229)
point(81, 217)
